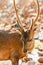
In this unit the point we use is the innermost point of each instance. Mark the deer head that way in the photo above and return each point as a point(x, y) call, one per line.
point(26, 36)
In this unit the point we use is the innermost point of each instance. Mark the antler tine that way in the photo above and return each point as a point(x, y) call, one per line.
point(18, 20)
point(38, 12)
point(33, 21)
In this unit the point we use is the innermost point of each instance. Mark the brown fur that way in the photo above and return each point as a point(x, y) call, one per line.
point(11, 47)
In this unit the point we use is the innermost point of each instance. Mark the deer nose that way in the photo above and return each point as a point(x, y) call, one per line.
point(25, 50)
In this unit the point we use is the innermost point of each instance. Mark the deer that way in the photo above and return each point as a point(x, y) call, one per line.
point(13, 46)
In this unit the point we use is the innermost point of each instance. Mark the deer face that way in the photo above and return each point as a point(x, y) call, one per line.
point(25, 40)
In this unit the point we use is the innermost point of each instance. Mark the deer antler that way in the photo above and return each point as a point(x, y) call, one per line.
point(33, 21)
point(18, 20)
point(31, 35)
point(38, 12)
